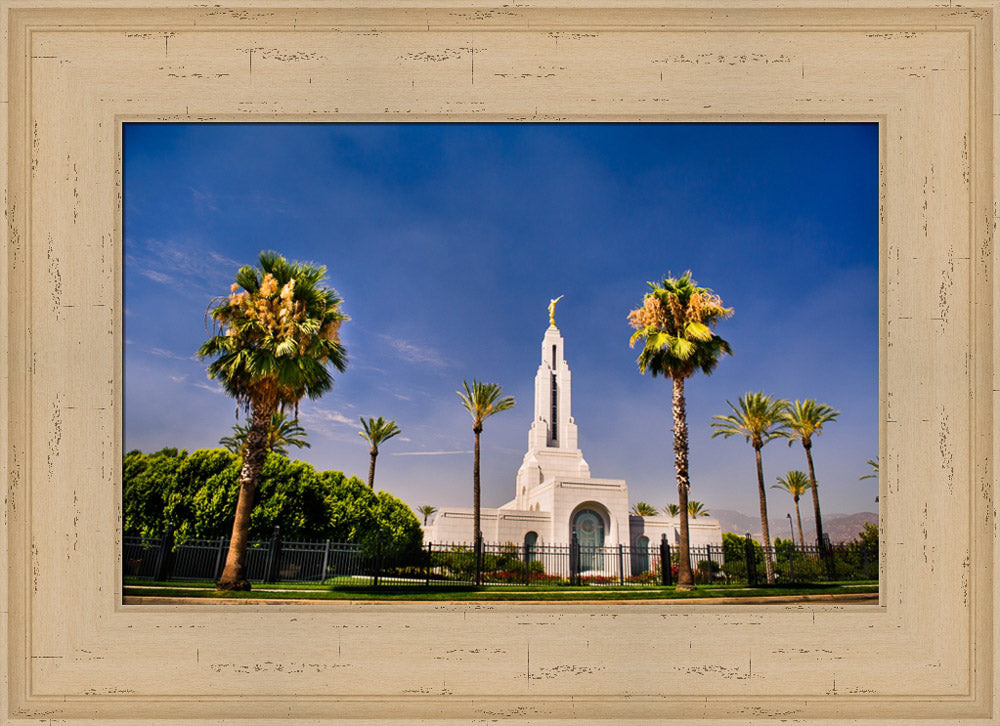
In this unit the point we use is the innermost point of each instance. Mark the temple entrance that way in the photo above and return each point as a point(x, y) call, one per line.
point(588, 526)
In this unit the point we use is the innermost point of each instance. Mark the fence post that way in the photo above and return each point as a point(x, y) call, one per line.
point(430, 558)
point(864, 558)
point(791, 562)
point(826, 555)
point(751, 559)
point(621, 564)
point(326, 562)
point(378, 556)
point(666, 568)
point(274, 556)
point(574, 560)
point(479, 558)
point(527, 564)
point(165, 560)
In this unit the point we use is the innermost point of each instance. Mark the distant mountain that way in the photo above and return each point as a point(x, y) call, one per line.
point(840, 527)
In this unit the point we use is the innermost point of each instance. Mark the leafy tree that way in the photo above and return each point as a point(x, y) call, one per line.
point(272, 345)
point(482, 400)
point(642, 509)
point(803, 420)
point(795, 483)
point(697, 509)
point(675, 325)
point(759, 419)
point(148, 480)
point(426, 510)
point(673, 509)
point(282, 432)
point(375, 431)
point(734, 553)
point(198, 493)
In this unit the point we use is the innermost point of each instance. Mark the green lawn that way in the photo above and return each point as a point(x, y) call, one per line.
point(313, 591)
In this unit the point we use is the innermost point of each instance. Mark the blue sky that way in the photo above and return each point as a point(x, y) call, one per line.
point(446, 242)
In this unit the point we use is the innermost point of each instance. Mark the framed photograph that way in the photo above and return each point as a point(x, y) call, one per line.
point(76, 74)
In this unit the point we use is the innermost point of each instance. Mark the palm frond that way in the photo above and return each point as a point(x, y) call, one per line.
point(482, 400)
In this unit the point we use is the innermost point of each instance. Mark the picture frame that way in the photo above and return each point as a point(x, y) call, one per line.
point(77, 71)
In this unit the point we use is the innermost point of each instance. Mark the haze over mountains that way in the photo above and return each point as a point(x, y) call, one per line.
point(840, 527)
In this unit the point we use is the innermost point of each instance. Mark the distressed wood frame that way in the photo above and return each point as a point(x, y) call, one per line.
point(75, 71)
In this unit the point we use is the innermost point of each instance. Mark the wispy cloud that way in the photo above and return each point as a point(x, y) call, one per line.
point(185, 265)
point(416, 353)
point(315, 416)
point(429, 453)
point(163, 353)
point(210, 388)
point(156, 276)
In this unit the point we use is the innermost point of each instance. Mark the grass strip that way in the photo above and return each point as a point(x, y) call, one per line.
point(402, 593)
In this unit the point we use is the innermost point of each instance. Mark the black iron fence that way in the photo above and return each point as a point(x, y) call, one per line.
point(339, 563)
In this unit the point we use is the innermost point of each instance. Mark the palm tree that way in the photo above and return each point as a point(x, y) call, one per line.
point(642, 509)
point(481, 401)
point(759, 419)
point(805, 419)
point(427, 510)
point(375, 431)
point(873, 474)
point(697, 509)
point(795, 483)
point(675, 324)
point(282, 432)
point(673, 509)
point(272, 345)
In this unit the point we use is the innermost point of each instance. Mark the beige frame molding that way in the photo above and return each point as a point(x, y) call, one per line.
point(75, 71)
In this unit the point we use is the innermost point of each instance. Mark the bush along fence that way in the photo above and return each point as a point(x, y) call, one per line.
point(369, 564)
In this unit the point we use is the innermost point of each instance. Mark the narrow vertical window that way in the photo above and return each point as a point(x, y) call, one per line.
point(555, 420)
point(553, 357)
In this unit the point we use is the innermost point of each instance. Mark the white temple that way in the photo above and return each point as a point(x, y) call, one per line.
point(555, 494)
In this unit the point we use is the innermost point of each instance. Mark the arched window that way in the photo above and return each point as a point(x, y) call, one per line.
point(588, 526)
point(530, 541)
point(640, 562)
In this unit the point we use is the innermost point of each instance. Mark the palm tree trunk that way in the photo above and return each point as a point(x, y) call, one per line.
point(254, 454)
point(477, 533)
point(802, 541)
point(685, 578)
point(765, 530)
point(371, 469)
point(812, 480)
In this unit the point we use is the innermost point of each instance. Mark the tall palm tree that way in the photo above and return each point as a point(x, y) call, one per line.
point(375, 431)
point(282, 432)
point(805, 419)
point(427, 510)
point(643, 509)
point(482, 400)
point(795, 483)
point(673, 509)
point(759, 419)
point(272, 344)
point(873, 474)
point(697, 509)
point(675, 325)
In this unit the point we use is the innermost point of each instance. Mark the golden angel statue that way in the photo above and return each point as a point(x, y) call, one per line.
point(552, 309)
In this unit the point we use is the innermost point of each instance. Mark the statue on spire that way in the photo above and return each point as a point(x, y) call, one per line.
point(552, 309)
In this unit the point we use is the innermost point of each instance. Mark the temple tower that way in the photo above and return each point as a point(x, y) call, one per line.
point(552, 439)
